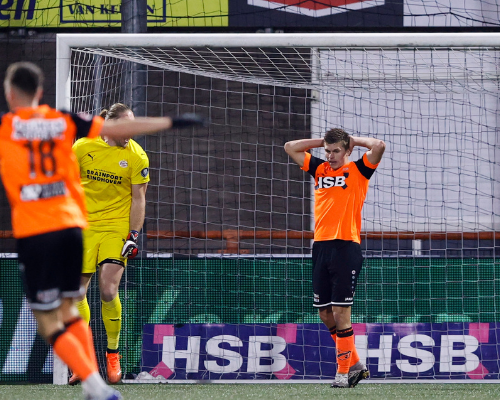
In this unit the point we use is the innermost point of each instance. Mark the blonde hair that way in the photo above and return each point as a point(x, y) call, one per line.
point(115, 111)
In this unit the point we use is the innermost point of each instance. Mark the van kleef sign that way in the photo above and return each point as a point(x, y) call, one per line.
point(107, 13)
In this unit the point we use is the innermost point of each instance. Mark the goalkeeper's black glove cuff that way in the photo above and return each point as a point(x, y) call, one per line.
point(133, 235)
point(187, 120)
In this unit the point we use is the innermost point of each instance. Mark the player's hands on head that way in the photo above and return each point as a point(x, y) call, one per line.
point(130, 249)
point(188, 119)
point(352, 143)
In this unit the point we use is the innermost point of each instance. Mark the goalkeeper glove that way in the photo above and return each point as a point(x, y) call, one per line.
point(130, 248)
point(187, 120)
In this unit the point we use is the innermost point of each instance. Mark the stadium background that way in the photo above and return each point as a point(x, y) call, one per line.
point(458, 284)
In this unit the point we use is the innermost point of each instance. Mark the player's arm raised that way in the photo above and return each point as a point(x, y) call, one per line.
point(376, 147)
point(121, 128)
point(296, 148)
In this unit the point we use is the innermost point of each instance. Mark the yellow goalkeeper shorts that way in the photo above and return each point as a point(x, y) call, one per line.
point(103, 246)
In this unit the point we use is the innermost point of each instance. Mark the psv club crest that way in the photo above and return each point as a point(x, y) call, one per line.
point(316, 8)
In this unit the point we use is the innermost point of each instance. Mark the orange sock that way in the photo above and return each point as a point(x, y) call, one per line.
point(354, 356)
point(70, 350)
point(79, 328)
point(345, 350)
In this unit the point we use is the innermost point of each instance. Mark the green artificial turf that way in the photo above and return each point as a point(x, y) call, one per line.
point(365, 391)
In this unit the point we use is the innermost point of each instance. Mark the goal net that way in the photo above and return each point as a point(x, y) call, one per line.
point(223, 289)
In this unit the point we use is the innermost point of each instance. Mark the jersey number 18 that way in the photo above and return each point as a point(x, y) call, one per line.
point(43, 151)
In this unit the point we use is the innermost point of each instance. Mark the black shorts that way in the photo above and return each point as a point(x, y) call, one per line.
point(336, 267)
point(51, 265)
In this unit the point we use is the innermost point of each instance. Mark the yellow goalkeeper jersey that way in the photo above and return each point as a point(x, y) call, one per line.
point(107, 174)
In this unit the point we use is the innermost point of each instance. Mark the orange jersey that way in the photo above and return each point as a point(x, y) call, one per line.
point(39, 170)
point(339, 196)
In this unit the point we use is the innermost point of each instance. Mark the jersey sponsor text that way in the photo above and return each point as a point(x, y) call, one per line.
point(102, 176)
point(37, 128)
point(37, 191)
point(328, 182)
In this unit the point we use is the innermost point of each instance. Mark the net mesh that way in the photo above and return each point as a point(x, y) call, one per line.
point(229, 216)
point(21, 39)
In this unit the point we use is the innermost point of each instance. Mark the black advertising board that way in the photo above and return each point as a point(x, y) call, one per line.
point(316, 14)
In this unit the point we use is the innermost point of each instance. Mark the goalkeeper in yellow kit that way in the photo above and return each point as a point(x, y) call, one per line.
point(114, 175)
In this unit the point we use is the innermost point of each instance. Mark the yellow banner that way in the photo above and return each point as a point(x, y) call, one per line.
point(106, 13)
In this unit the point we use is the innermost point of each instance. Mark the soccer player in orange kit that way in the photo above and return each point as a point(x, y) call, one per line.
point(340, 188)
point(42, 181)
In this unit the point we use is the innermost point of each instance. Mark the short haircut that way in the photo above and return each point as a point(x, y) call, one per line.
point(115, 111)
point(24, 76)
point(337, 135)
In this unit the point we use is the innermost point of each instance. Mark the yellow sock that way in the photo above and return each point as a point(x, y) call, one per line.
point(112, 318)
point(84, 309)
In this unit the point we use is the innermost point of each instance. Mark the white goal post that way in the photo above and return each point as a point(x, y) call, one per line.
point(432, 214)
